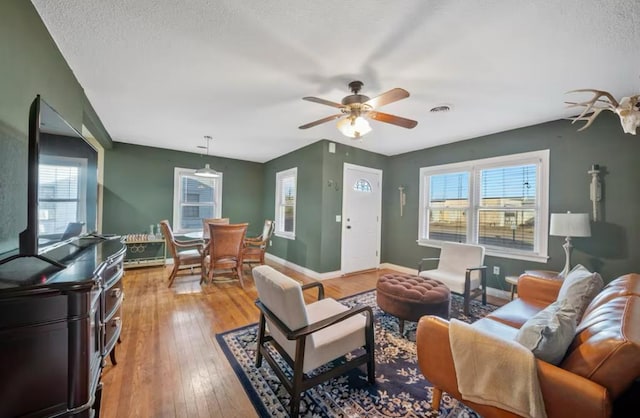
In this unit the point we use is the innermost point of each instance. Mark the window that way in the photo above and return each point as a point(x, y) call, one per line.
point(62, 184)
point(500, 203)
point(286, 192)
point(362, 185)
point(195, 198)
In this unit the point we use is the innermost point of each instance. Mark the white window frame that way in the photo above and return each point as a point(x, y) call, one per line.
point(178, 174)
point(280, 176)
point(474, 167)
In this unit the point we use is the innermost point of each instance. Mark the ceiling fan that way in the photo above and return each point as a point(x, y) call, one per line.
point(356, 108)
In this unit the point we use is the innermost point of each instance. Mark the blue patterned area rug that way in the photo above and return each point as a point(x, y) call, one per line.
point(400, 389)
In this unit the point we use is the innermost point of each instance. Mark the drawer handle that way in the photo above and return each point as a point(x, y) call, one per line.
point(116, 322)
point(115, 293)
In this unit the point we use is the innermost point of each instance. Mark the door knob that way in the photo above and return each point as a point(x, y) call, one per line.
point(348, 226)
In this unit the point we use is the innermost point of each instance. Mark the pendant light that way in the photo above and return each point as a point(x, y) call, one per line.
point(207, 171)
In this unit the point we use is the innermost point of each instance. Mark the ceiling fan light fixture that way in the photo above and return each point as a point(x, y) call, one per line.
point(207, 171)
point(354, 127)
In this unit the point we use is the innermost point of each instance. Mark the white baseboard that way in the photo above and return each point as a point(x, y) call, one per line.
point(303, 270)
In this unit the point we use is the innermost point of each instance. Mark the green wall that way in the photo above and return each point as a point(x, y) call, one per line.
point(138, 187)
point(31, 64)
point(614, 245)
point(318, 236)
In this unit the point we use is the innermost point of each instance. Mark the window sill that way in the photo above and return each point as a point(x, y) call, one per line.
point(286, 235)
point(493, 252)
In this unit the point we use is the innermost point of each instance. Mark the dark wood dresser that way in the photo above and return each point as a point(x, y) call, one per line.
point(56, 328)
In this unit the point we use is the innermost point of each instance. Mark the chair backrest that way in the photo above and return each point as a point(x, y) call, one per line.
point(281, 295)
point(227, 240)
point(267, 229)
point(207, 221)
point(169, 238)
point(456, 258)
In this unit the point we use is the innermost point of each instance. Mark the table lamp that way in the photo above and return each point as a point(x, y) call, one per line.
point(569, 225)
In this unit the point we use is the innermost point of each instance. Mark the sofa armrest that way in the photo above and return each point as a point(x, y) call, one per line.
point(539, 287)
point(565, 394)
point(569, 395)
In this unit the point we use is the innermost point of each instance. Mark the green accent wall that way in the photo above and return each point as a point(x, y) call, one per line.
point(614, 245)
point(317, 244)
point(138, 187)
point(31, 65)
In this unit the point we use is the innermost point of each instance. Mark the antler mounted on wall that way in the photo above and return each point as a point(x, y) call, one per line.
point(628, 109)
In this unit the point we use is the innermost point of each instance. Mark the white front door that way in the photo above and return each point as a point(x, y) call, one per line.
point(361, 213)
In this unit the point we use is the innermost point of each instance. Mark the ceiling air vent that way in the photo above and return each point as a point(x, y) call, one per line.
point(441, 108)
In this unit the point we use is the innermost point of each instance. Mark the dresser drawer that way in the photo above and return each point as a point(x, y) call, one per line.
point(112, 330)
point(113, 297)
point(113, 271)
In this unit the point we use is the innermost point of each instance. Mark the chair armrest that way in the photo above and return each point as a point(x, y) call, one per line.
point(317, 326)
point(332, 320)
point(188, 243)
point(538, 289)
point(425, 259)
point(312, 285)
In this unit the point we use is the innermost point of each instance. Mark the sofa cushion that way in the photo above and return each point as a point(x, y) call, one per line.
point(579, 288)
point(516, 312)
point(549, 332)
point(606, 348)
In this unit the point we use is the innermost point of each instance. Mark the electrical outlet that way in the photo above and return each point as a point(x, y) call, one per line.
point(496, 270)
point(270, 243)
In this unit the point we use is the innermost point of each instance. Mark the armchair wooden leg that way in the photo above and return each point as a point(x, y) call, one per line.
point(261, 329)
point(484, 295)
point(401, 326)
point(174, 273)
point(371, 350)
point(240, 276)
point(467, 300)
point(437, 397)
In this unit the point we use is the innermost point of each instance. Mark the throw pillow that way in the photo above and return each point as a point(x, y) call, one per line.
point(579, 288)
point(549, 333)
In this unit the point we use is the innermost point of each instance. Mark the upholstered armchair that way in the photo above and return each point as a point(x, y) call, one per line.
point(255, 247)
point(460, 268)
point(309, 336)
point(184, 253)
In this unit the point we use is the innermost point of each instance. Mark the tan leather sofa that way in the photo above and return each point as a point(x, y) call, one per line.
point(601, 363)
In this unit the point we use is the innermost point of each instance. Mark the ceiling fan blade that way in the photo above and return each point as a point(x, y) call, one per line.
point(324, 102)
point(390, 96)
point(392, 119)
point(319, 121)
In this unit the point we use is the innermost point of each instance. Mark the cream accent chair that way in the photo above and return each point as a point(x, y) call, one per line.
point(460, 268)
point(308, 336)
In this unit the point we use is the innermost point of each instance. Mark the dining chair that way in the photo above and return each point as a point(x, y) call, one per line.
point(225, 250)
point(255, 247)
point(207, 221)
point(184, 253)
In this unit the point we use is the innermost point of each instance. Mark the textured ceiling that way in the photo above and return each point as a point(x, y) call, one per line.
point(167, 73)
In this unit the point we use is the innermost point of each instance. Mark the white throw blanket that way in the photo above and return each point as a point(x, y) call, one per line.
point(495, 372)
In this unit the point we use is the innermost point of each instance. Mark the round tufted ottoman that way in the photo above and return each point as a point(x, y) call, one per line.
point(409, 297)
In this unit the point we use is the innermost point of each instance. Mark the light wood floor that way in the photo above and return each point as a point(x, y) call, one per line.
point(169, 362)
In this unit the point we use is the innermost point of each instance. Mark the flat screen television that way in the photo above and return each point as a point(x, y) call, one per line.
point(62, 186)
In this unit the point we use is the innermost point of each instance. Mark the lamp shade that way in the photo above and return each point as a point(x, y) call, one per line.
point(570, 225)
point(207, 171)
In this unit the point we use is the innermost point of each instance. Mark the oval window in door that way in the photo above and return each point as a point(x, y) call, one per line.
point(362, 185)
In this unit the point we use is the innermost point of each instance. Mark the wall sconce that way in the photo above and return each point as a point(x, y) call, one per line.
point(403, 199)
point(595, 190)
